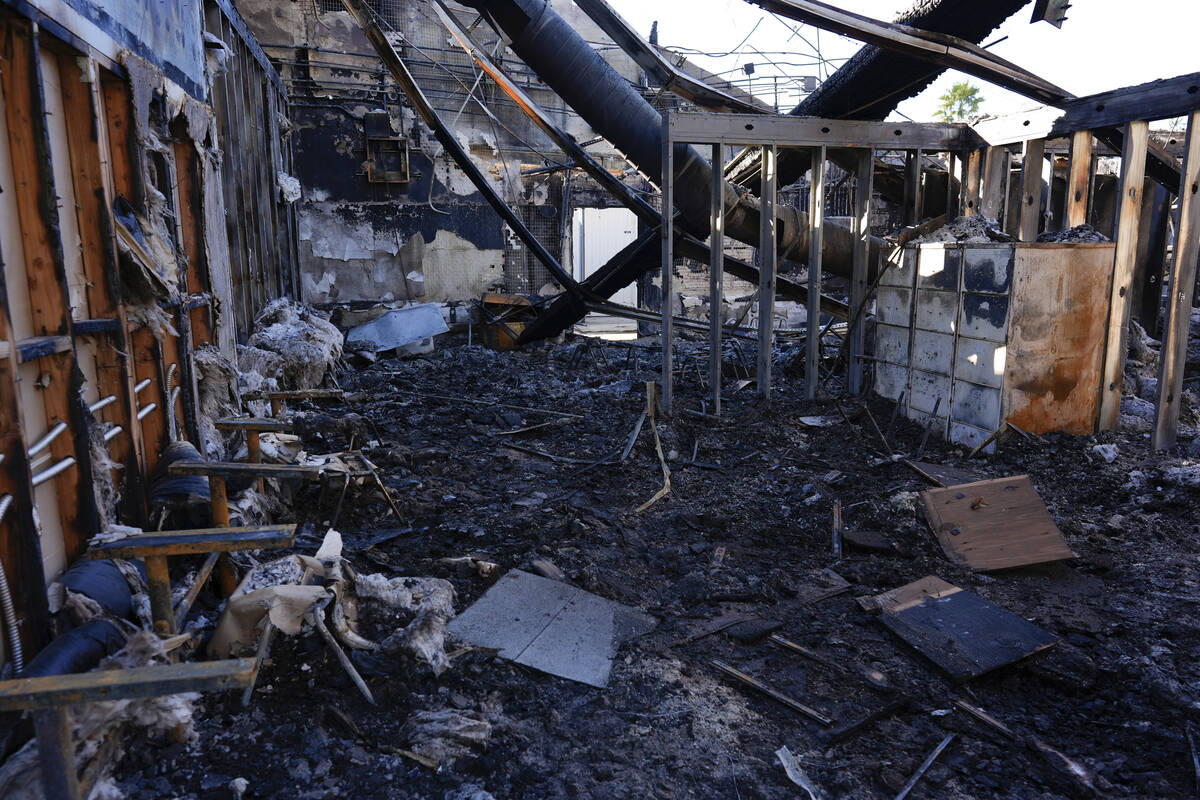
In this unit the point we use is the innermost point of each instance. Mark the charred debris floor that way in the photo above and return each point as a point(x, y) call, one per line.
point(1115, 693)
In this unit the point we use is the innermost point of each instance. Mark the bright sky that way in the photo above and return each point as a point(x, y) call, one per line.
point(1104, 44)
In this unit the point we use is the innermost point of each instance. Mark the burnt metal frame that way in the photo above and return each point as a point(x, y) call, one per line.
point(770, 133)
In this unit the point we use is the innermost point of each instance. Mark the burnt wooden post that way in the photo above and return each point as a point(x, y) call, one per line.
point(1129, 209)
point(1173, 356)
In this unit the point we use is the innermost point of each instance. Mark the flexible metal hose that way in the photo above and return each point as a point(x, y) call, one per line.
point(6, 604)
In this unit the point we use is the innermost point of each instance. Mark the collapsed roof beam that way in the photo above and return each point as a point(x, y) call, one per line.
point(669, 77)
point(644, 211)
point(1099, 112)
point(625, 267)
point(368, 20)
point(938, 48)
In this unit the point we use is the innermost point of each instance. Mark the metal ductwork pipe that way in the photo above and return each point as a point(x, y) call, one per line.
point(614, 109)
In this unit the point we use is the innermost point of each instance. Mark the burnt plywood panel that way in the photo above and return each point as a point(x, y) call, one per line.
point(1056, 336)
point(970, 436)
point(925, 389)
point(961, 632)
point(891, 344)
point(994, 524)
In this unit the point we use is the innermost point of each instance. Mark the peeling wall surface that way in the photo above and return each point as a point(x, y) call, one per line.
point(168, 36)
point(431, 236)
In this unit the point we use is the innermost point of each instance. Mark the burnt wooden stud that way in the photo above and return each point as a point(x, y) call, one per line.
point(156, 547)
point(995, 182)
point(1129, 209)
point(1173, 357)
point(49, 697)
point(1079, 179)
point(45, 272)
point(1030, 215)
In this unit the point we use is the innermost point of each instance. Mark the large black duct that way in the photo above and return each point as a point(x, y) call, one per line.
point(614, 109)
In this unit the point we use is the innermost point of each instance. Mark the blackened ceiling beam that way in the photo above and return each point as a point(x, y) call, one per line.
point(664, 72)
point(368, 20)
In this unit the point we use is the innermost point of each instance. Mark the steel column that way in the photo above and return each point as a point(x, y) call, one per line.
point(715, 275)
point(767, 263)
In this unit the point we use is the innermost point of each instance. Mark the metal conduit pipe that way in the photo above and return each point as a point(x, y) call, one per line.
point(54, 471)
point(44, 442)
point(615, 110)
point(6, 604)
point(103, 402)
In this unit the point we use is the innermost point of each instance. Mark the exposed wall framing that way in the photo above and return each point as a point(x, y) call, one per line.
point(93, 155)
point(250, 102)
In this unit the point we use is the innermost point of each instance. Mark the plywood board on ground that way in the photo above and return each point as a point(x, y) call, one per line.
point(994, 524)
point(958, 631)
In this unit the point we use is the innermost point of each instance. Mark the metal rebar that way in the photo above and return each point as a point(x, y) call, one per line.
point(145, 412)
point(142, 386)
point(112, 433)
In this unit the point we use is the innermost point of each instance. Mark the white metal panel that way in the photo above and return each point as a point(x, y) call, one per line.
point(598, 234)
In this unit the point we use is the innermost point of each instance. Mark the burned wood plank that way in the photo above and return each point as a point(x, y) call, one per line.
point(239, 469)
point(1030, 215)
point(41, 346)
point(843, 732)
point(1133, 168)
point(994, 524)
point(1173, 357)
point(960, 632)
point(123, 684)
point(774, 694)
point(1079, 179)
point(260, 424)
point(937, 48)
point(200, 540)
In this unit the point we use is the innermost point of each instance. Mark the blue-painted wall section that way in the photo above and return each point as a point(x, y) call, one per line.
point(167, 33)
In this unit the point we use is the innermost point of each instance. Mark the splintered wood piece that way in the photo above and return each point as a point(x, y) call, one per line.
point(941, 475)
point(855, 726)
point(199, 540)
point(774, 694)
point(994, 524)
point(259, 424)
point(961, 632)
point(907, 596)
point(821, 584)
